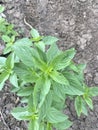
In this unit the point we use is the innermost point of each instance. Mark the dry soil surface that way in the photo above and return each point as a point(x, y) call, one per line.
point(75, 23)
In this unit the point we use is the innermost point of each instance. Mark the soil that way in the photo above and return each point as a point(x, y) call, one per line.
point(75, 23)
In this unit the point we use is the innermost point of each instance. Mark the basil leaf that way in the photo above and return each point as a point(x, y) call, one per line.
point(49, 40)
point(58, 77)
point(55, 116)
point(34, 33)
point(63, 125)
point(62, 60)
point(41, 89)
point(21, 113)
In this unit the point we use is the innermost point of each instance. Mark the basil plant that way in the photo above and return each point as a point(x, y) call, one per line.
point(44, 77)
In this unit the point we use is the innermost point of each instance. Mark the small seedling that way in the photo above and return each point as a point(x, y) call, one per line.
point(44, 79)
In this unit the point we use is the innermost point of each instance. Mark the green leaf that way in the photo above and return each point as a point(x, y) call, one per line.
point(23, 42)
point(58, 103)
point(62, 60)
point(40, 45)
point(73, 67)
point(12, 38)
point(1, 9)
point(63, 125)
point(75, 87)
point(25, 54)
point(41, 89)
point(58, 77)
point(44, 90)
point(3, 77)
point(7, 49)
point(10, 61)
point(52, 52)
point(84, 107)
point(71, 90)
point(30, 103)
point(49, 127)
point(21, 113)
point(29, 56)
point(39, 63)
point(46, 105)
point(59, 90)
point(14, 89)
point(81, 67)
point(89, 102)
point(93, 91)
point(42, 126)
point(33, 125)
point(49, 40)
point(24, 100)
point(2, 61)
point(6, 38)
point(21, 70)
point(25, 73)
point(26, 91)
point(34, 33)
point(55, 116)
point(36, 39)
point(41, 53)
point(14, 80)
point(78, 105)
point(2, 22)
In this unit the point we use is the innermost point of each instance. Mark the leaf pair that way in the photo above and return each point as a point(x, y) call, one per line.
point(81, 102)
point(6, 70)
point(58, 119)
point(41, 89)
point(80, 106)
point(58, 59)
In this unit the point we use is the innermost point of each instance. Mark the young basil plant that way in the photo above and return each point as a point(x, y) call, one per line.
point(44, 79)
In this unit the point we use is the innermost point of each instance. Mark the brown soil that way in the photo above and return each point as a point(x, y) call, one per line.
point(75, 23)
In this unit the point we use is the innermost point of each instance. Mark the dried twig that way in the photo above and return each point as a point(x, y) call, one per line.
point(4, 122)
point(27, 23)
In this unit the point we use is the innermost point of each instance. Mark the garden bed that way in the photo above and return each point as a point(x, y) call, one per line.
point(75, 23)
